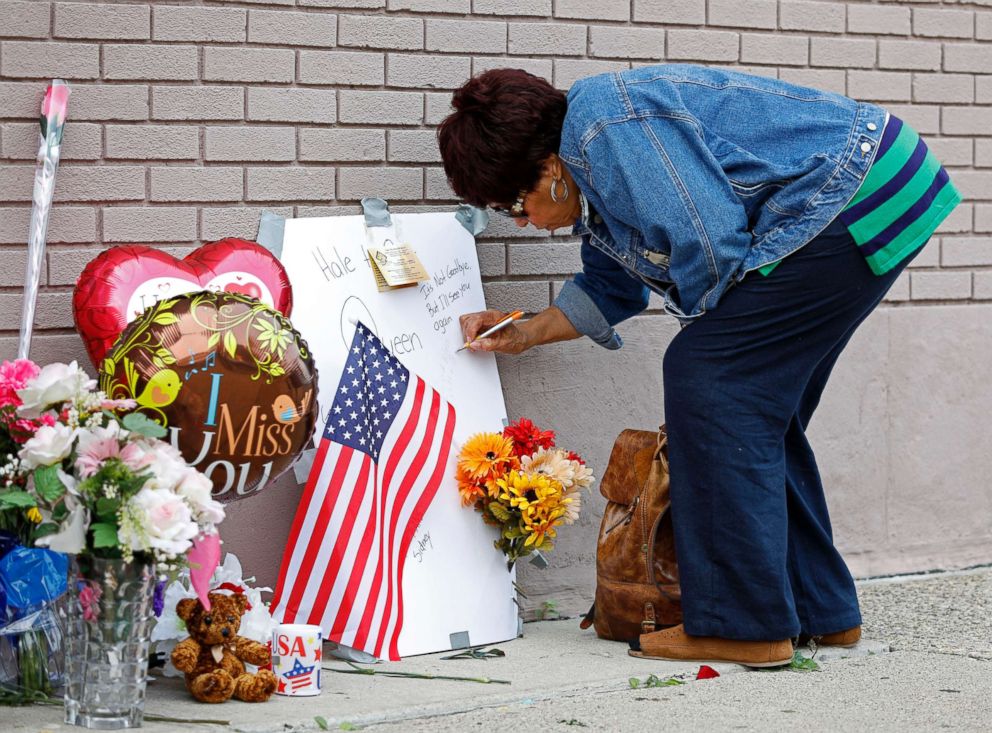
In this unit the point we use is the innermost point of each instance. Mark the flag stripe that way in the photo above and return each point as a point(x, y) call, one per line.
point(412, 474)
point(336, 562)
point(404, 442)
point(350, 594)
point(418, 514)
point(302, 518)
point(326, 505)
point(314, 584)
point(363, 581)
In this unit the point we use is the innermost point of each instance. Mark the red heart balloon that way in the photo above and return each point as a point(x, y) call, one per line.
point(118, 285)
point(249, 289)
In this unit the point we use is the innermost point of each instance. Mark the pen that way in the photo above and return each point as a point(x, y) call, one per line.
point(501, 324)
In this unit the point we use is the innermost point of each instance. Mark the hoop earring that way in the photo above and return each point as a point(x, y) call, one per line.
point(555, 196)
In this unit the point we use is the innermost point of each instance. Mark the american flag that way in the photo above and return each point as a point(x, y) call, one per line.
point(381, 458)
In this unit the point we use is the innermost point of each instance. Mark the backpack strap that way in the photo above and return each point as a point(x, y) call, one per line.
point(649, 622)
point(654, 578)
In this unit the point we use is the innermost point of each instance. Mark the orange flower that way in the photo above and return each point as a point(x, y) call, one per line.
point(487, 456)
point(471, 490)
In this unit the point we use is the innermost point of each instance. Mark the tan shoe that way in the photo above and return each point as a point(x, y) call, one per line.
point(848, 638)
point(675, 645)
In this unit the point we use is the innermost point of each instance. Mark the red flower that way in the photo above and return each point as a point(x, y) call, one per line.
point(706, 672)
point(527, 437)
point(573, 456)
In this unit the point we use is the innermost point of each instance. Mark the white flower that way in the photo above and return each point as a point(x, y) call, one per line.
point(553, 463)
point(583, 474)
point(50, 444)
point(196, 489)
point(55, 384)
point(257, 623)
point(574, 506)
point(71, 537)
point(165, 464)
point(160, 520)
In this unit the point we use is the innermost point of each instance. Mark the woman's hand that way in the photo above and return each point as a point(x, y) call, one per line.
point(509, 340)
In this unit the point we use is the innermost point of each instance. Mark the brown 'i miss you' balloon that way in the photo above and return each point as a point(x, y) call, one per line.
point(231, 380)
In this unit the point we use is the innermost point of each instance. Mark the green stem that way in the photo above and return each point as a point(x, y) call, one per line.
point(416, 675)
point(167, 719)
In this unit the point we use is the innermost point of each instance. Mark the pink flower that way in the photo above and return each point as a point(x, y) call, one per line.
point(56, 103)
point(103, 443)
point(97, 445)
point(97, 451)
point(118, 404)
point(15, 375)
point(134, 457)
point(21, 430)
point(89, 599)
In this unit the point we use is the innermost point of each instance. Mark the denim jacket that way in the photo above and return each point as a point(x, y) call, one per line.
point(694, 177)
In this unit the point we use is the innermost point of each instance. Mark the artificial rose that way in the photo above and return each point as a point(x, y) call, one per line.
point(54, 106)
point(196, 489)
point(164, 464)
point(161, 520)
point(54, 385)
point(50, 444)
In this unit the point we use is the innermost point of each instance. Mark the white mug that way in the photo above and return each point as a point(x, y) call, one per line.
point(296, 659)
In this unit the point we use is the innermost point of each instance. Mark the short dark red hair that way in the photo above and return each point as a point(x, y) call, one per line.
point(505, 123)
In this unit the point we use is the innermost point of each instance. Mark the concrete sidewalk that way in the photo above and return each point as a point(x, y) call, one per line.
point(938, 673)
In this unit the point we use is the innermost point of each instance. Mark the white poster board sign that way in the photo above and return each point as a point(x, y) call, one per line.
point(457, 590)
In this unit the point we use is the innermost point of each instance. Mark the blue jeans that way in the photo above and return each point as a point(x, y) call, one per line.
point(752, 532)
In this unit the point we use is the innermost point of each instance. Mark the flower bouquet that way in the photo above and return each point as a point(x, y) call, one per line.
point(523, 485)
point(32, 580)
point(104, 488)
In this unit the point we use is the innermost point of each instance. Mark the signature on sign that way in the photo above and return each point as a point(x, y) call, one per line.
point(423, 544)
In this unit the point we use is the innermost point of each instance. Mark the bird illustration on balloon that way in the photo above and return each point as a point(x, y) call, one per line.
point(159, 391)
point(285, 411)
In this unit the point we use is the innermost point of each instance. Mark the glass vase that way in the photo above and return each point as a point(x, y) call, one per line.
point(108, 635)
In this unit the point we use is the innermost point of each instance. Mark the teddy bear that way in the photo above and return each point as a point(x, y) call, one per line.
point(213, 656)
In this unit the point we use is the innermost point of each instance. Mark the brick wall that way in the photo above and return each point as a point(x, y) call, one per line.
point(189, 118)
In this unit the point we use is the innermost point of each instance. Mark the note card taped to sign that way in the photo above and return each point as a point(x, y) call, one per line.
point(395, 266)
point(453, 579)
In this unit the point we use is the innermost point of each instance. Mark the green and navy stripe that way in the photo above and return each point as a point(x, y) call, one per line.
point(903, 199)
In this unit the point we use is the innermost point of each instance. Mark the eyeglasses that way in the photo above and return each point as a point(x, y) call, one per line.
point(516, 211)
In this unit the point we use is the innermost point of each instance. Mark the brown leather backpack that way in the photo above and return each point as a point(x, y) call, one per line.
point(637, 579)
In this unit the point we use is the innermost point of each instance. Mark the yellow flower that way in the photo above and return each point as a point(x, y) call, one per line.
point(33, 515)
point(543, 525)
point(487, 456)
point(540, 500)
